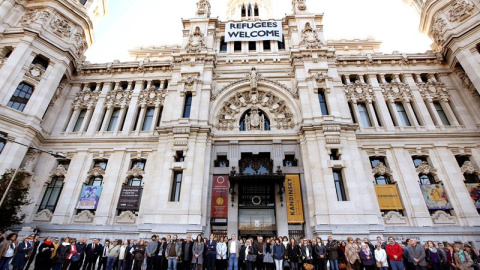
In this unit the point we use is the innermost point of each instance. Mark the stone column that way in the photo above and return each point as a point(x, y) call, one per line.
point(87, 118)
point(12, 68)
point(470, 66)
point(141, 118)
point(424, 117)
point(357, 113)
point(411, 114)
point(371, 112)
point(5, 7)
point(393, 111)
point(106, 119)
point(449, 112)
point(133, 107)
point(121, 116)
point(433, 113)
point(156, 116)
point(381, 103)
point(73, 119)
point(99, 109)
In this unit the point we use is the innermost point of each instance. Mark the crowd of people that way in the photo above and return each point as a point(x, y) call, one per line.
point(271, 253)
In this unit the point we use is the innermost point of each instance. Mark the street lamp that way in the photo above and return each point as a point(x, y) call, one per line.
point(54, 154)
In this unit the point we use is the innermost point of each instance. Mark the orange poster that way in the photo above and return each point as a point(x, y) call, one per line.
point(293, 192)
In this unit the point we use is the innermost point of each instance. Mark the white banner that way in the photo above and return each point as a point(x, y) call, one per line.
point(253, 31)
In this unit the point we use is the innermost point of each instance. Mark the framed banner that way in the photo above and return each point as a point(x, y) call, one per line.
point(130, 198)
point(388, 197)
point(253, 31)
point(293, 192)
point(474, 190)
point(435, 197)
point(220, 199)
point(89, 198)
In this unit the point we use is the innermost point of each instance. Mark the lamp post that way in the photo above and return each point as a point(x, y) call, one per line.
point(54, 154)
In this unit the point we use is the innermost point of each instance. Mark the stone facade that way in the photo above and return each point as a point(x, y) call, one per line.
point(331, 106)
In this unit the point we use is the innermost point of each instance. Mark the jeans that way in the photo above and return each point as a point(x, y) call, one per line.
point(4, 262)
point(233, 262)
point(110, 262)
point(293, 265)
point(172, 263)
point(396, 265)
point(278, 264)
point(57, 266)
point(334, 265)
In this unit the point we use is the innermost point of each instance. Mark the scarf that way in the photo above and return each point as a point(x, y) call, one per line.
point(367, 251)
point(48, 242)
point(461, 256)
point(434, 250)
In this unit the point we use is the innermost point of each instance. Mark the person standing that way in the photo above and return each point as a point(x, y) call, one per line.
point(417, 253)
point(367, 257)
point(250, 254)
point(433, 256)
point(320, 252)
point(293, 254)
point(102, 263)
point(161, 261)
point(395, 254)
point(121, 255)
point(92, 251)
point(211, 253)
point(150, 252)
point(138, 255)
point(61, 254)
point(7, 250)
point(23, 251)
point(233, 253)
point(278, 254)
point(81, 247)
point(187, 247)
point(462, 259)
point(352, 256)
point(197, 253)
point(221, 254)
point(129, 254)
point(71, 254)
point(450, 257)
point(112, 254)
point(332, 252)
point(43, 259)
point(268, 254)
point(259, 247)
point(174, 253)
point(381, 257)
point(35, 244)
point(307, 252)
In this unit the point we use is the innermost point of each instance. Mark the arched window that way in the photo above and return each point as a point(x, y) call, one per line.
point(256, 12)
point(244, 11)
point(20, 97)
point(254, 119)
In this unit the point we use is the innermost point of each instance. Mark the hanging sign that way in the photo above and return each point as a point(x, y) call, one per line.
point(388, 197)
point(130, 198)
point(253, 31)
point(89, 198)
point(474, 191)
point(293, 193)
point(220, 199)
point(435, 197)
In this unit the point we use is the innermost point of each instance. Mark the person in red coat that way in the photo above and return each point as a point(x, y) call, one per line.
point(395, 254)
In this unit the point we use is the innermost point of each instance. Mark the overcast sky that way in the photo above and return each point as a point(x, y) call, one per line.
point(133, 23)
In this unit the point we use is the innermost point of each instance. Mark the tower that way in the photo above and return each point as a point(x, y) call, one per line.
point(249, 9)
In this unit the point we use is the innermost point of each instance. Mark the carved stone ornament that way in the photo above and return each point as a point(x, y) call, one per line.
point(465, 80)
point(135, 172)
point(442, 217)
point(96, 171)
point(433, 90)
point(84, 217)
point(229, 116)
point(254, 121)
point(152, 97)
point(460, 10)
point(61, 27)
point(118, 97)
point(30, 161)
point(190, 80)
point(394, 218)
point(310, 38)
point(86, 98)
point(299, 5)
point(396, 91)
point(469, 168)
point(437, 32)
point(58, 92)
point(254, 77)
point(79, 43)
point(425, 168)
point(34, 15)
point(319, 77)
point(196, 41)
point(35, 72)
point(203, 8)
point(381, 169)
point(359, 92)
point(59, 171)
point(43, 216)
point(126, 217)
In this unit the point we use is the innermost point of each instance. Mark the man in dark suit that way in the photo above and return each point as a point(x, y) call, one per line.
point(161, 259)
point(103, 256)
point(187, 247)
point(91, 254)
point(129, 255)
point(211, 253)
point(81, 246)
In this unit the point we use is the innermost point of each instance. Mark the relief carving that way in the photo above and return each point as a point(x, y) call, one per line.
point(61, 27)
point(396, 91)
point(358, 92)
point(310, 38)
point(469, 168)
point(96, 171)
point(437, 32)
point(381, 169)
point(203, 8)
point(60, 171)
point(35, 71)
point(425, 168)
point(299, 5)
point(433, 90)
point(118, 97)
point(196, 42)
point(152, 97)
point(86, 98)
point(460, 10)
point(135, 172)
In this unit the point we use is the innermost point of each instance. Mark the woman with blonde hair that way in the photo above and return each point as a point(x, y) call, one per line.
point(352, 257)
point(138, 252)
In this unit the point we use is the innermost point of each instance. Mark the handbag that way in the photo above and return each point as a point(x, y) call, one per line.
point(308, 266)
point(286, 264)
point(379, 264)
point(251, 258)
point(342, 266)
point(75, 257)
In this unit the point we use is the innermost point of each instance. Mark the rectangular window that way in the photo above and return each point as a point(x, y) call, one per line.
point(290, 161)
point(266, 45)
point(425, 179)
point(252, 46)
point(237, 46)
point(113, 120)
point(350, 107)
point(159, 120)
point(82, 2)
point(402, 114)
point(20, 97)
point(147, 123)
point(52, 194)
point(441, 113)
point(334, 154)
point(3, 141)
point(80, 119)
point(137, 180)
point(281, 45)
point(188, 105)
point(374, 105)
point(364, 116)
point(379, 179)
point(176, 186)
point(179, 157)
point(221, 162)
point(323, 101)
point(97, 180)
point(223, 45)
point(339, 185)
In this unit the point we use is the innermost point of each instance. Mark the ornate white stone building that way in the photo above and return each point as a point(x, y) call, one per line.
point(382, 144)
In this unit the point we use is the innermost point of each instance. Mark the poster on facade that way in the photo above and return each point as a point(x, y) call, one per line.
point(130, 198)
point(89, 198)
point(435, 197)
point(474, 190)
point(293, 192)
point(388, 197)
point(220, 199)
point(256, 219)
point(253, 31)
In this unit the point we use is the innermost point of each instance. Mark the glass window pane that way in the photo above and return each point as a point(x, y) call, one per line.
point(322, 101)
point(20, 97)
point(79, 122)
point(365, 118)
point(402, 114)
point(147, 123)
point(188, 106)
point(113, 120)
point(441, 113)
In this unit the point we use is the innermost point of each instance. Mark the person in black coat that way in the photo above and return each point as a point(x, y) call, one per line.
point(81, 247)
point(187, 253)
point(211, 252)
point(293, 254)
point(35, 244)
point(161, 259)
point(241, 256)
point(249, 251)
point(91, 254)
point(61, 254)
point(43, 259)
point(23, 251)
point(128, 254)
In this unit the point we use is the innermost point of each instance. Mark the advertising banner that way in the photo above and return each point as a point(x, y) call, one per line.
point(89, 197)
point(253, 31)
point(474, 190)
point(435, 197)
point(220, 199)
point(388, 197)
point(130, 198)
point(293, 193)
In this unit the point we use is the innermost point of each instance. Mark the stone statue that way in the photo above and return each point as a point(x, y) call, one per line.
point(254, 77)
point(203, 8)
point(299, 5)
point(254, 121)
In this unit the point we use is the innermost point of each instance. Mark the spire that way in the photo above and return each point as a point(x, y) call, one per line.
point(203, 9)
point(248, 9)
point(299, 6)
